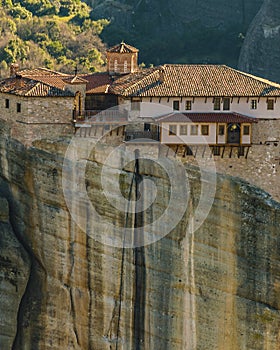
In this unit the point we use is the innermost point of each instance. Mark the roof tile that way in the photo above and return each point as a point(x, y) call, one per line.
point(194, 81)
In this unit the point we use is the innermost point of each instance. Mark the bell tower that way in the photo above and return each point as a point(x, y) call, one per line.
point(122, 59)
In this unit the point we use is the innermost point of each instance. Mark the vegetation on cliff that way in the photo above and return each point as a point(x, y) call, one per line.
point(57, 34)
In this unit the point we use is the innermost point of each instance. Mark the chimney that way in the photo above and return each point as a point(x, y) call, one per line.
point(19, 81)
point(14, 67)
point(161, 75)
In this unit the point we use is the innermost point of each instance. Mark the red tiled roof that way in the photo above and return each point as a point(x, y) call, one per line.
point(28, 87)
point(50, 77)
point(123, 48)
point(194, 81)
point(97, 83)
point(205, 117)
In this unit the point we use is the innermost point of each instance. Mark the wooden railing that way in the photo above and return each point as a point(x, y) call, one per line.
point(133, 135)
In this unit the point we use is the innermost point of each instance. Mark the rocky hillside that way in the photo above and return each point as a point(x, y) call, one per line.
point(261, 50)
point(61, 288)
point(204, 31)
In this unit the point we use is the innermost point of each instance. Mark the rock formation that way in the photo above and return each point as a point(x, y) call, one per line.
point(261, 49)
point(194, 31)
point(201, 290)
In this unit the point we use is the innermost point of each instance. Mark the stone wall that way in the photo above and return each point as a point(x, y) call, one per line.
point(37, 109)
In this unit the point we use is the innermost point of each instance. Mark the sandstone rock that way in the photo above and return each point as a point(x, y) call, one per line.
point(14, 275)
point(191, 290)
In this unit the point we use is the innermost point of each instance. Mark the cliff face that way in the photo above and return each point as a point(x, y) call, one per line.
point(183, 31)
point(261, 48)
point(201, 290)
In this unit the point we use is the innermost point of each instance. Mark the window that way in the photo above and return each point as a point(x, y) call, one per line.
point(7, 103)
point(246, 129)
point(18, 107)
point(205, 130)
point(125, 66)
point(115, 65)
point(217, 103)
point(254, 104)
point(172, 129)
point(188, 105)
point(147, 127)
point(194, 129)
point(270, 104)
point(221, 130)
point(183, 130)
point(226, 104)
point(176, 105)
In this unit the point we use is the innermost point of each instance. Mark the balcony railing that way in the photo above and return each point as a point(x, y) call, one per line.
point(98, 116)
point(133, 135)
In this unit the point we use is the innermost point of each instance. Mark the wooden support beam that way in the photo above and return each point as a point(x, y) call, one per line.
point(247, 152)
point(230, 153)
point(203, 152)
point(223, 152)
point(196, 148)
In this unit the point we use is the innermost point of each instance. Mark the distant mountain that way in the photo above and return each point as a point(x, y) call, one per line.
point(56, 34)
point(182, 31)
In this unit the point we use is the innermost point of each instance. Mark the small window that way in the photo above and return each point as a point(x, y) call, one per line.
point(254, 104)
point(18, 107)
point(246, 129)
point(221, 130)
point(176, 105)
point(147, 127)
point(205, 130)
point(194, 129)
point(125, 66)
point(226, 104)
point(270, 104)
point(183, 130)
point(217, 103)
point(188, 105)
point(172, 129)
point(7, 103)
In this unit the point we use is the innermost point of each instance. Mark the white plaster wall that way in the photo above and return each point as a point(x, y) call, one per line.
point(243, 106)
point(188, 139)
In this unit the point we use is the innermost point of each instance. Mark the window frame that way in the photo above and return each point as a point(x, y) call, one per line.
point(254, 104)
point(18, 107)
point(249, 129)
point(270, 107)
point(173, 105)
point(217, 103)
point(170, 127)
point(221, 126)
point(188, 105)
point(208, 129)
point(192, 133)
point(226, 106)
point(182, 127)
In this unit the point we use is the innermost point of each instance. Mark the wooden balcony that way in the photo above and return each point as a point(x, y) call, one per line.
point(147, 135)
